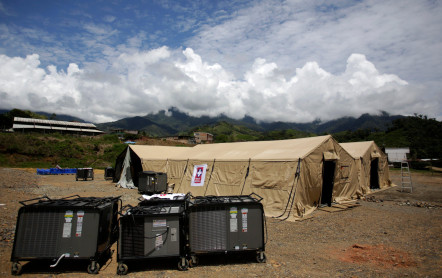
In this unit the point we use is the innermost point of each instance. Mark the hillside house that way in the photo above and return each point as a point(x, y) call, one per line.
point(203, 137)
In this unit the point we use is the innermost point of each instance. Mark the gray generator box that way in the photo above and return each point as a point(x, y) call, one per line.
point(72, 228)
point(150, 182)
point(109, 173)
point(152, 231)
point(84, 173)
point(223, 224)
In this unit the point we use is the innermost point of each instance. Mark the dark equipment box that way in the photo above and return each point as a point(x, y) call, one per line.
point(152, 231)
point(150, 182)
point(71, 228)
point(84, 173)
point(109, 173)
point(224, 224)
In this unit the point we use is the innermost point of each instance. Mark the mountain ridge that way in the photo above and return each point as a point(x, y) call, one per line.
point(175, 122)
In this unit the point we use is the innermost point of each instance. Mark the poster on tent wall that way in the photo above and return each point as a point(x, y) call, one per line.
point(199, 174)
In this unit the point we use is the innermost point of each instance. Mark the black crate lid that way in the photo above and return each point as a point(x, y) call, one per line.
point(225, 199)
point(162, 209)
point(71, 201)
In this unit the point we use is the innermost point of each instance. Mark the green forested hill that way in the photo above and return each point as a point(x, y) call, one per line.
point(174, 122)
point(48, 150)
point(227, 132)
point(421, 134)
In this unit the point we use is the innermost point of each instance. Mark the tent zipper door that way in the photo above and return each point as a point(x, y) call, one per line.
point(328, 176)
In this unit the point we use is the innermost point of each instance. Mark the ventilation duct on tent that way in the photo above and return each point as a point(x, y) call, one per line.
point(375, 154)
point(330, 156)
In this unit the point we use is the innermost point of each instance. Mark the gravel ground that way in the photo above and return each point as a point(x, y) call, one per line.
point(388, 234)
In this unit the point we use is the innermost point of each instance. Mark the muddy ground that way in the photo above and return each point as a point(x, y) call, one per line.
point(390, 234)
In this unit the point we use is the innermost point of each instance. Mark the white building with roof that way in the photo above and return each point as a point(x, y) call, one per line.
point(397, 154)
point(39, 125)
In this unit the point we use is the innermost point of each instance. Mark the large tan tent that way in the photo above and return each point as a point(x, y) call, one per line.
point(327, 173)
point(293, 176)
point(372, 165)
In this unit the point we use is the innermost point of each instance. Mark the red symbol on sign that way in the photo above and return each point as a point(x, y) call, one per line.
point(199, 174)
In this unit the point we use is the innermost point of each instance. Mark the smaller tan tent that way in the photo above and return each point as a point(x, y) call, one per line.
point(372, 165)
point(137, 158)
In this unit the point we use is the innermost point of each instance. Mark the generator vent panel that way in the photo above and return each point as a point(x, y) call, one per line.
point(132, 237)
point(208, 230)
point(40, 234)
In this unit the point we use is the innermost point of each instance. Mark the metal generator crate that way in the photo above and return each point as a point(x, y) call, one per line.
point(150, 182)
point(223, 224)
point(152, 231)
point(109, 173)
point(84, 173)
point(71, 228)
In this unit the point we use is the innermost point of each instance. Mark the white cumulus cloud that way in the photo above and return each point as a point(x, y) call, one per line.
point(139, 83)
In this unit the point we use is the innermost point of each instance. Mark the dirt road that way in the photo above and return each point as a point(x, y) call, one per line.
point(390, 234)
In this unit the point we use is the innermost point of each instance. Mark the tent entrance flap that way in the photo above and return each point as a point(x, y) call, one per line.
point(374, 175)
point(328, 176)
point(126, 180)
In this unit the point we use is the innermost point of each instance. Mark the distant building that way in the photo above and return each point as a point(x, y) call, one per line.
point(397, 154)
point(48, 126)
point(120, 130)
point(203, 137)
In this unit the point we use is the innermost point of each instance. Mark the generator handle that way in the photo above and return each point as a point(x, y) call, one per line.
point(257, 196)
point(124, 209)
point(65, 198)
point(39, 198)
point(117, 198)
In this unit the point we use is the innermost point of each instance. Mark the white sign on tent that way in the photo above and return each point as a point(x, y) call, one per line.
point(199, 174)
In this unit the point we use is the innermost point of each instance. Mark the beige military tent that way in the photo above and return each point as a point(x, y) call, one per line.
point(293, 176)
point(327, 173)
point(372, 165)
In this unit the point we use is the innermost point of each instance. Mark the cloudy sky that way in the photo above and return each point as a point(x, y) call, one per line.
point(273, 60)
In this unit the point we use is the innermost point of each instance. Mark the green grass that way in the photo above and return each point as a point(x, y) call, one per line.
point(48, 150)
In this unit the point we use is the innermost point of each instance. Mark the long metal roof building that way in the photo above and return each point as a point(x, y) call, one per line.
point(39, 125)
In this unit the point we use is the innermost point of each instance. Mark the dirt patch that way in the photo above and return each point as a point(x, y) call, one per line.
point(12, 178)
point(379, 255)
point(390, 234)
